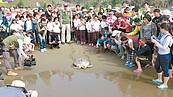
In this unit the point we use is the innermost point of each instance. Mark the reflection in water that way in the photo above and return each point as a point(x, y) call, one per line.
point(59, 83)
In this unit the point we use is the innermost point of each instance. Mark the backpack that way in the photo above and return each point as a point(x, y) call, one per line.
point(171, 49)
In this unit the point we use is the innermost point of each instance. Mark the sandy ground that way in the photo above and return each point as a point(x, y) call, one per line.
point(53, 76)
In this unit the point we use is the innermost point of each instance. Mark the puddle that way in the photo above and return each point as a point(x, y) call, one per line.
point(80, 84)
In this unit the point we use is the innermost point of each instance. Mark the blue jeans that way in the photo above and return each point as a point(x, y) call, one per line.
point(162, 64)
point(42, 43)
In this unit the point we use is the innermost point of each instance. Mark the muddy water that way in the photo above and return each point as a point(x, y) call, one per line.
point(53, 76)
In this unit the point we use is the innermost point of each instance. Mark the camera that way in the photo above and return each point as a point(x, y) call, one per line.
point(30, 62)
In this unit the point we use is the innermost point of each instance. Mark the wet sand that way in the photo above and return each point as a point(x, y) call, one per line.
point(53, 76)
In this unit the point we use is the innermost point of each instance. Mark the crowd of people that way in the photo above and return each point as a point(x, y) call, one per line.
point(134, 36)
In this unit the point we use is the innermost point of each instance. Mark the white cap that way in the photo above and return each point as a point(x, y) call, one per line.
point(91, 8)
point(18, 83)
point(166, 12)
point(115, 32)
point(84, 10)
point(109, 7)
point(34, 94)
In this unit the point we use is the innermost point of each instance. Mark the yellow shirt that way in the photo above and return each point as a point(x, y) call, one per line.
point(137, 29)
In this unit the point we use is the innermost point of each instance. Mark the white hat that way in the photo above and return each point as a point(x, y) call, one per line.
point(18, 83)
point(166, 12)
point(115, 32)
point(109, 7)
point(91, 8)
point(84, 10)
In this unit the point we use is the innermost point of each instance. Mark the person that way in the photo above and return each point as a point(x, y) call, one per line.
point(116, 44)
point(89, 31)
point(66, 18)
point(148, 29)
point(100, 43)
point(95, 28)
point(136, 31)
point(163, 57)
point(29, 25)
point(143, 55)
point(10, 45)
point(17, 89)
point(157, 19)
point(29, 47)
point(41, 33)
point(56, 29)
point(128, 44)
point(82, 30)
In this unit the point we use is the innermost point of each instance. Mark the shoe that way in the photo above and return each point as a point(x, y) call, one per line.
point(84, 43)
point(162, 86)
point(58, 47)
point(131, 64)
point(19, 68)
point(122, 57)
point(137, 70)
point(63, 43)
point(11, 73)
point(78, 42)
point(157, 81)
point(81, 43)
point(42, 50)
point(98, 51)
point(45, 49)
point(68, 42)
point(90, 44)
point(126, 63)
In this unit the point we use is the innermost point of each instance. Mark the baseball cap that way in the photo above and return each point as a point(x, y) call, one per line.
point(65, 4)
point(18, 83)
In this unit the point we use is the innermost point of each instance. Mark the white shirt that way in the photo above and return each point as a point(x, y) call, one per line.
point(27, 40)
point(28, 25)
point(163, 44)
point(20, 49)
point(15, 27)
point(80, 24)
point(76, 21)
point(88, 27)
point(50, 26)
point(111, 19)
point(96, 25)
point(56, 27)
point(103, 24)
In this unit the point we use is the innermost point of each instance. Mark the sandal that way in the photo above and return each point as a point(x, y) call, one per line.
point(137, 70)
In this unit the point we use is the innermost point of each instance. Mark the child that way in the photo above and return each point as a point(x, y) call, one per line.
point(116, 46)
point(56, 28)
point(82, 30)
point(103, 24)
point(96, 28)
point(108, 42)
point(54, 38)
point(128, 44)
point(76, 22)
point(107, 32)
point(49, 28)
point(100, 43)
point(28, 46)
point(90, 32)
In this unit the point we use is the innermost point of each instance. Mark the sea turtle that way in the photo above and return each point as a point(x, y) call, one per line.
point(82, 64)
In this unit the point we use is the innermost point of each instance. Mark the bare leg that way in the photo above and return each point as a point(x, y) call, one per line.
point(166, 79)
point(159, 76)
